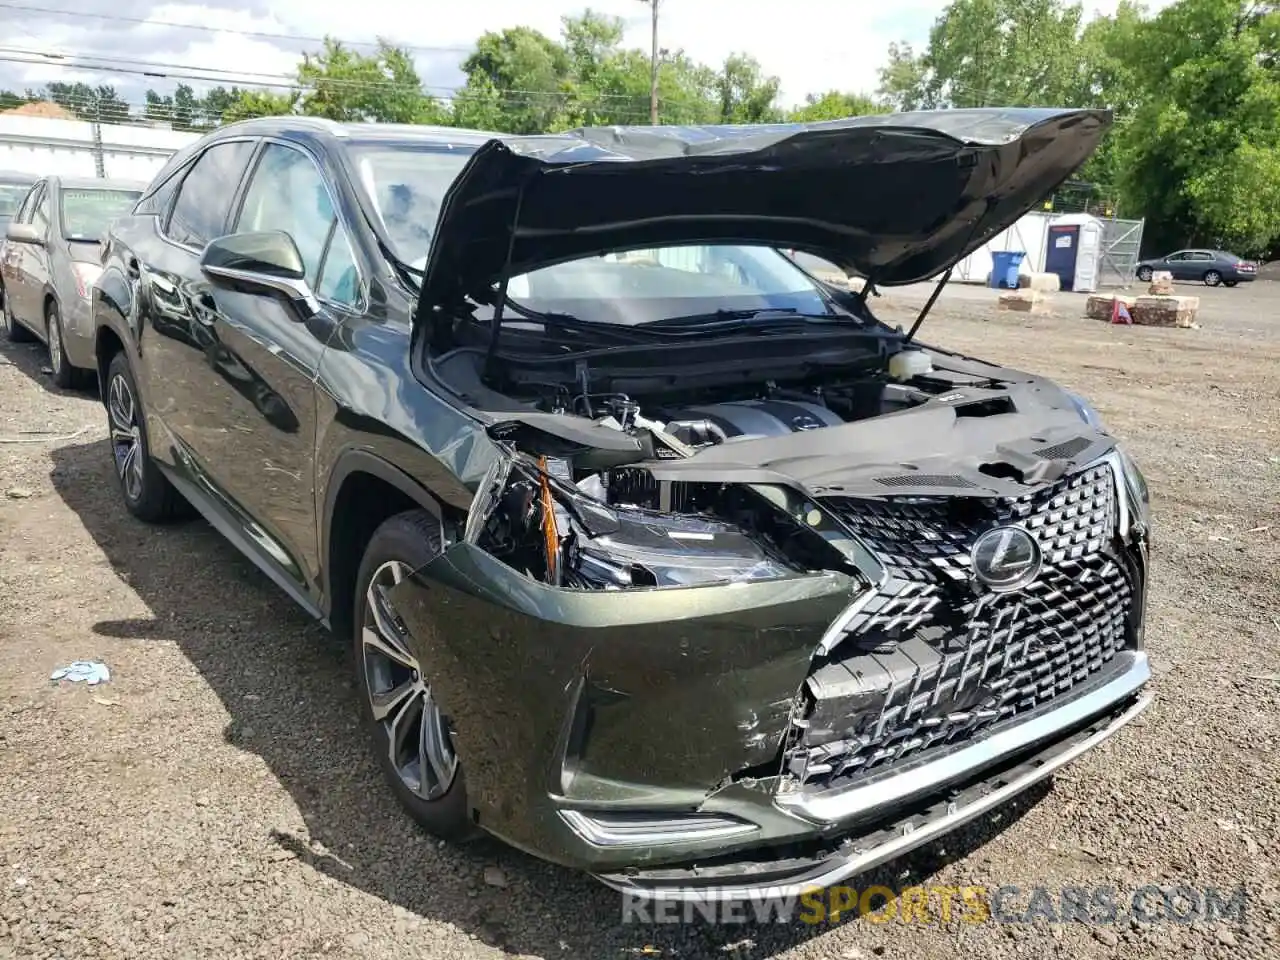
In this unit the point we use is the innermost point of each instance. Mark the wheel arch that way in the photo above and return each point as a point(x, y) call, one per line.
point(363, 490)
point(106, 344)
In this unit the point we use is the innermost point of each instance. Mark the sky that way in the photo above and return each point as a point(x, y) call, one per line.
point(811, 45)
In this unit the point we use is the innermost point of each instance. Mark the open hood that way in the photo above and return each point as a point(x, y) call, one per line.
point(896, 198)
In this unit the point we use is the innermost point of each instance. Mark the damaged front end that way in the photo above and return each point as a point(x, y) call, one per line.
point(698, 688)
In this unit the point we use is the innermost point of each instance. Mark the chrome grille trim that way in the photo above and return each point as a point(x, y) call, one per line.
point(927, 660)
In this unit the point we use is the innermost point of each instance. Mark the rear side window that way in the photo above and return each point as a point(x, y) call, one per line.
point(204, 198)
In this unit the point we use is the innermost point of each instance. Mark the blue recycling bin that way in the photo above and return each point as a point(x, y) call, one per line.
point(1004, 268)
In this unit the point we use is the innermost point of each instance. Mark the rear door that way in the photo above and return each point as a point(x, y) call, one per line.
point(32, 265)
point(11, 258)
point(177, 350)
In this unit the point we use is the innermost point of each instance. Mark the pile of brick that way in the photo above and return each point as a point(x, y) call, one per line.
point(1161, 284)
point(1024, 301)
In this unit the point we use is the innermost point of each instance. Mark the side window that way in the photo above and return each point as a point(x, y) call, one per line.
point(40, 213)
point(287, 192)
point(205, 195)
point(28, 204)
point(156, 203)
point(339, 278)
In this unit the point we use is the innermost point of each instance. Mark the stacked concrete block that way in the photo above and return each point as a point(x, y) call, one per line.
point(1165, 311)
point(1161, 284)
point(1042, 282)
point(1024, 301)
point(1101, 308)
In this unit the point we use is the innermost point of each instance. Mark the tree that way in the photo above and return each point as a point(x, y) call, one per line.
point(834, 105)
point(100, 103)
point(746, 94)
point(1201, 155)
point(990, 53)
point(382, 87)
point(260, 103)
point(531, 75)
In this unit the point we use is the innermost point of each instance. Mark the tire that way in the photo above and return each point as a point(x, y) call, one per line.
point(1230, 283)
point(147, 493)
point(64, 374)
point(1144, 274)
point(1212, 278)
point(438, 799)
point(14, 332)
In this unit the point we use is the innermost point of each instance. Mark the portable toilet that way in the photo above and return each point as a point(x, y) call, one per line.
point(1073, 250)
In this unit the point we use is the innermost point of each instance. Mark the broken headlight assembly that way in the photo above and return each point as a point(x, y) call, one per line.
point(529, 513)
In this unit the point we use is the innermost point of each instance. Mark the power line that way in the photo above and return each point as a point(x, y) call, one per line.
point(174, 71)
point(261, 34)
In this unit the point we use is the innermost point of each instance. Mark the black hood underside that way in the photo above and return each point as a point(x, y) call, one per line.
point(896, 198)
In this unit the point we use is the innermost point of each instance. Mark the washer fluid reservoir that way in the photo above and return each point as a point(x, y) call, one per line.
point(909, 363)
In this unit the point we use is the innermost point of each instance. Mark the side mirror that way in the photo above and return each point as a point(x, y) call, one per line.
point(24, 233)
point(262, 261)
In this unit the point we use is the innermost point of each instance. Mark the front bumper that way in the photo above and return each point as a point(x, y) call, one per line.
point(591, 717)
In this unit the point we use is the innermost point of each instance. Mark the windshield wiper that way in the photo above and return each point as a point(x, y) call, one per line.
point(768, 317)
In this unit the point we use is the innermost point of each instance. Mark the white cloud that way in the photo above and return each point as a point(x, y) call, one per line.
point(812, 45)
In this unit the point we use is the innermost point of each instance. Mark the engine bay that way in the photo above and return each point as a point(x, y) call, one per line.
point(570, 521)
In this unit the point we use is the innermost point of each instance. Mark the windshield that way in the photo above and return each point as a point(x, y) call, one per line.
point(11, 195)
point(643, 286)
point(86, 214)
point(407, 182)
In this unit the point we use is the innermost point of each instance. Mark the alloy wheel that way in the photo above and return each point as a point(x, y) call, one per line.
point(1144, 274)
point(54, 332)
point(417, 734)
point(126, 436)
point(1212, 278)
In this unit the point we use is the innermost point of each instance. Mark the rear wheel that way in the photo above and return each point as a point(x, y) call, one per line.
point(148, 495)
point(1212, 278)
point(1229, 283)
point(1144, 274)
point(412, 736)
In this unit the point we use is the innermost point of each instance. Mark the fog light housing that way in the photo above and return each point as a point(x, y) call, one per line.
point(606, 829)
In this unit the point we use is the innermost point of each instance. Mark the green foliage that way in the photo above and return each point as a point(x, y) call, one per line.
point(1195, 91)
point(834, 105)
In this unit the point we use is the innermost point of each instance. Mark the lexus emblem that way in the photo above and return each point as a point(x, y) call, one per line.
point(1006, 558)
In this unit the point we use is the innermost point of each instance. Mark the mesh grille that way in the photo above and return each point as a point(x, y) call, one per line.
point(925, 480)
point(1065, 449)
point(928, 661)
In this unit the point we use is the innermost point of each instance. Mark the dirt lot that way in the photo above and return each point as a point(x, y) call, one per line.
point(216, 799)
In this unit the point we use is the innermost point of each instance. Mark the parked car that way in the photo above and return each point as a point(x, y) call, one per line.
point(51, 258)
point(658, 557)
point(1210, 267)
point(13, 187)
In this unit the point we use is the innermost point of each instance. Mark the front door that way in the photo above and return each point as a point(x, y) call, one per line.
point(265, 357)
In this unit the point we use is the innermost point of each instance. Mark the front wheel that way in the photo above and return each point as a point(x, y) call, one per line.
point(1144, 274)
point(412, 736)
point(1212, 278)
point(64, 374)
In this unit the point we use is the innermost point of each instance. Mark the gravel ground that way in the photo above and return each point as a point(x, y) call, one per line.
point(216, 797)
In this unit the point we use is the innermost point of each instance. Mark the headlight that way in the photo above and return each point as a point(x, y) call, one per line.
point(87, 275)
point(1136, 485)
point(1086, 411)
point(529, 514)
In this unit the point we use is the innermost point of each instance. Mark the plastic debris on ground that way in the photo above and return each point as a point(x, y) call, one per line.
point(92, 672)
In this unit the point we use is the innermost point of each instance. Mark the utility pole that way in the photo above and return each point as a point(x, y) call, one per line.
point(653, 65)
